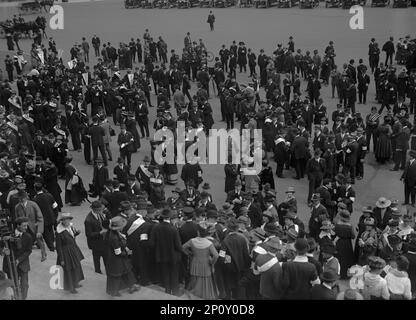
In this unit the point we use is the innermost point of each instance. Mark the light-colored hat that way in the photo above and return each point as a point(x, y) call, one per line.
point(117, 223)
point(65, 216)
point(383, 203)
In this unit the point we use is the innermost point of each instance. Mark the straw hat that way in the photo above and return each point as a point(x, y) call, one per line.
point(383, 203)
point(65, 216)
point(117, 223)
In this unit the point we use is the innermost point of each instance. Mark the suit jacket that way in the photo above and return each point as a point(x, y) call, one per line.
point(409, 174)
point(299, 147)
point(114, 199)
point(320, 292)
point(122, 174)
point(93, 226)
point(314, 169)
point(97, 134)
point(166, 242)
point(33, 213)
point(188, 231)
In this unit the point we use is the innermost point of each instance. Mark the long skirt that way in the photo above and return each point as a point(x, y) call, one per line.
point(72, 278)
point(117, 283)
point(203, 287)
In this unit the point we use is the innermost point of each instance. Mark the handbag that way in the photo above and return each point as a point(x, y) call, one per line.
point(112, 132)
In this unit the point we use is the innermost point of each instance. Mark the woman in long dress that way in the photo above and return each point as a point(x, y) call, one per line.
point(383, 147)
point(204, 256)
point(344, 235)
point(118, 265)
point(367, 243)
point(69, 254)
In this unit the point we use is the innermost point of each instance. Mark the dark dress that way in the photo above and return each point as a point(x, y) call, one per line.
point(118, 267)
point(132, 128)
point(71, 256)
point(74, 188)
point(383, 147)
point(345, 252)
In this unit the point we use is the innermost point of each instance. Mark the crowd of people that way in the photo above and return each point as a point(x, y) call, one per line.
point(249, 247)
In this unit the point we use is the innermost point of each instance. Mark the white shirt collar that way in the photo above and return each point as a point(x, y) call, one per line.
point(301, 259)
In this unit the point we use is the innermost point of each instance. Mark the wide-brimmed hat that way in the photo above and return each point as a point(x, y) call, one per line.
point(383, 203)
point(395, 212)
point(227, 206)
point(273, 229)
point(166, 213)
point(367, 209)
point(290, 190)
point(65, 216)
point(206, 186)
point(329, 248)
point(290, 215)
point(125, 205)
point(344, 215)
point(316, 197)
point(393, 223)
point(301, 245)
point(329, 276)
point(96, 205)
point(376, 262)
point(292, 234)
point(117, 223)
point(369, 222)
point(232, 225)
point(327, 225)
point(274, 243)
point(244, 220)
point(4, 174)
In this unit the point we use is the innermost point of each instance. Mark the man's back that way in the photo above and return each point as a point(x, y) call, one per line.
point(167, 244)
point(297, 277)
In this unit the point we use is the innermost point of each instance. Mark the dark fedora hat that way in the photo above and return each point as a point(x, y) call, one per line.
point(329, 276)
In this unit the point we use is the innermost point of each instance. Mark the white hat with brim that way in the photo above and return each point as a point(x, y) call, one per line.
point(383, 203)
point(65, 216)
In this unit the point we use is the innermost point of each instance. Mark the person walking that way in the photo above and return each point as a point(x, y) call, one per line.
point(211, 20)
point(69, 254)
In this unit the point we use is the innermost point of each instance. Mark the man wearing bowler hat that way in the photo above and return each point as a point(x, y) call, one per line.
point(299, 275)
point(315, 169)
point(319, 213)
point(96, 226)
point(97, 134)
point(409, 179)
point(325, 290)
point(100, 176)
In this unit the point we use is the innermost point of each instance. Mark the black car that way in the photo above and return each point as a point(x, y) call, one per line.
point(333, 3)
point(308, 4)
point(380, 3)
point(401, 3)
point(223, 3)
point(287, 3)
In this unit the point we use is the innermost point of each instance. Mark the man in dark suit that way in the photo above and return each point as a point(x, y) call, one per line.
point(142, 118)
point(340, 143)
point(307, 115)
point(96, 44)
point(100, 176)
point(126, 142)
point(97, 134)
point(315, 169)
point(121, 173)
point(167, 246)
point(319, 141)
point(187, 231)
point(409, 179)
point(94, 230)
point(318, 214)
point(235, 197)
point(352, 72)
point(388, 47)
point(325, 290)
point(115, 198)
point(325, 194)
point(299, 150)
point(21, 250)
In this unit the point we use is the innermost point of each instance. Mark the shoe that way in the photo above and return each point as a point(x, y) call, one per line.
point(73, 291)
point(98, 271)
point(78, 286)
point(394, 169)
point(116, 294)
point(43, 259)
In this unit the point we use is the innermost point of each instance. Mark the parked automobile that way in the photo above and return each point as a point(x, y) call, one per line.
point(333, 3)
point(308, 4)
point(380, 3)
point(265, 3)
point(401, 3)
point(287, 3)
point(223, 3)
